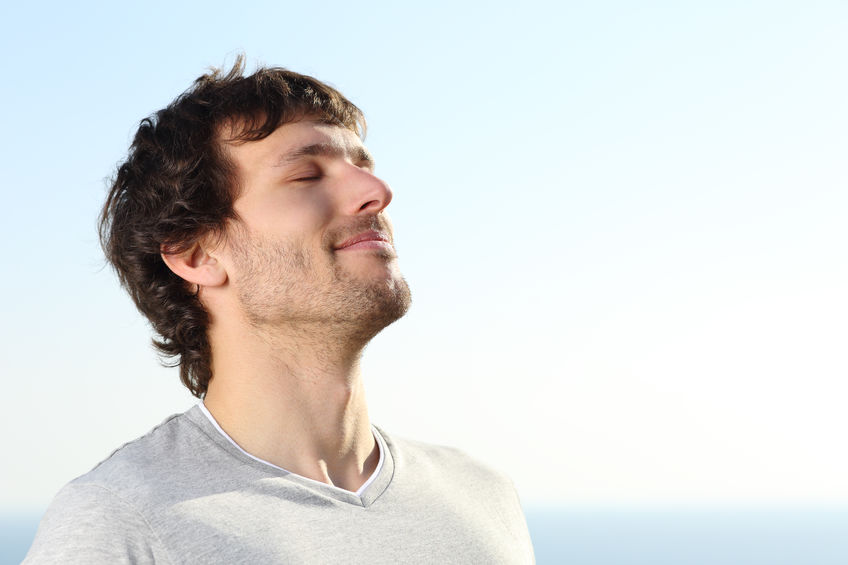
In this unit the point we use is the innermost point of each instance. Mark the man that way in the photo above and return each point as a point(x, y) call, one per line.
point(248, 226)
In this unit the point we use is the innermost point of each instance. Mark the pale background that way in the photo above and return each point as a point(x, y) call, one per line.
point(623, 224)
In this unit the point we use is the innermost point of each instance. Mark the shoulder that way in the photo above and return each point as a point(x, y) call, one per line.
point(141, 460)
point(167, 457)
point(445, 463)
point(101, 516)
point(455, 484)
point(88, 523)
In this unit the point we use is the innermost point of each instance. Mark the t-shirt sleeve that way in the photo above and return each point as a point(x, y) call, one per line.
point(87, 523)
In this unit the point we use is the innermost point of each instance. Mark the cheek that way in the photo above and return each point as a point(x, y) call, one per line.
point(297, 214)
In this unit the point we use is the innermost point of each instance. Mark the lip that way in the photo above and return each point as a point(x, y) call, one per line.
point(365, 240)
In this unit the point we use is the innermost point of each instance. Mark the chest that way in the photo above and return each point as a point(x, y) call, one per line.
point(266, 528)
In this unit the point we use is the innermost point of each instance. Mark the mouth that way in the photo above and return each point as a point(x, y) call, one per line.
point(371, 239)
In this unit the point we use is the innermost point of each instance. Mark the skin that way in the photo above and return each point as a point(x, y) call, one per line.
point(290, 309)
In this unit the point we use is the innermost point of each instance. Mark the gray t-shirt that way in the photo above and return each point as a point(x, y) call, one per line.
point(183, 494)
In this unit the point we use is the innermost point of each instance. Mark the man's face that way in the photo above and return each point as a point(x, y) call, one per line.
point(313, 244)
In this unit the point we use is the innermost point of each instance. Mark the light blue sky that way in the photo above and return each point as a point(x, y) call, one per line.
point(623, 224)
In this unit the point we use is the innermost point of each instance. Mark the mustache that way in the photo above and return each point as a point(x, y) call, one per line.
point(378, 223)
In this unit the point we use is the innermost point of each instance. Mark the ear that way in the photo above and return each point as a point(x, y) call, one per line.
point(195, 265)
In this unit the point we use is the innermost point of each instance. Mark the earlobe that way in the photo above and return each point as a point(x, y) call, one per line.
point(195, 265)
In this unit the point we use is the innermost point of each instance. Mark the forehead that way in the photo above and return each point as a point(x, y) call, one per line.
point(293, 141)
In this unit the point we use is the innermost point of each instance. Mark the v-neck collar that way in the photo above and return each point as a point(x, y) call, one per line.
point(365, 496)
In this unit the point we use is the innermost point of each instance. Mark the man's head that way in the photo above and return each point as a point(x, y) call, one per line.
point(259, 185)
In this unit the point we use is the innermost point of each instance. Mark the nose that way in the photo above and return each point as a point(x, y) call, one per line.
point(365, 193)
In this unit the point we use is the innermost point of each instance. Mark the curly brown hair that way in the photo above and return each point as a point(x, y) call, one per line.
point(177, 186)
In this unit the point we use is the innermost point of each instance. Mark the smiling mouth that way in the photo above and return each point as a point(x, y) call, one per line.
point(371, 239)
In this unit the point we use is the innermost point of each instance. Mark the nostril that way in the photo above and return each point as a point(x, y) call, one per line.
point(369, 204)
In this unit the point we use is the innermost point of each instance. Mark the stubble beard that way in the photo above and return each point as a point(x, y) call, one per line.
point(282, 288)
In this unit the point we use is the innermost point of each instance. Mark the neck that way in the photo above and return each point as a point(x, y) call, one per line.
point(295, 399)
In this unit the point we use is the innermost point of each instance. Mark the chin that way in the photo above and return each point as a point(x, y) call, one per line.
point(382, 275)
point(382, 304)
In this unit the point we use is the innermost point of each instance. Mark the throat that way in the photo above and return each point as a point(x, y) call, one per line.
point(311, 423)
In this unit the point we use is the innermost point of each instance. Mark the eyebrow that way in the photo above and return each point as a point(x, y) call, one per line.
point(360, 153)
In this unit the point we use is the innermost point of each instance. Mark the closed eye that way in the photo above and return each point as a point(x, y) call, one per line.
point(308, 174)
